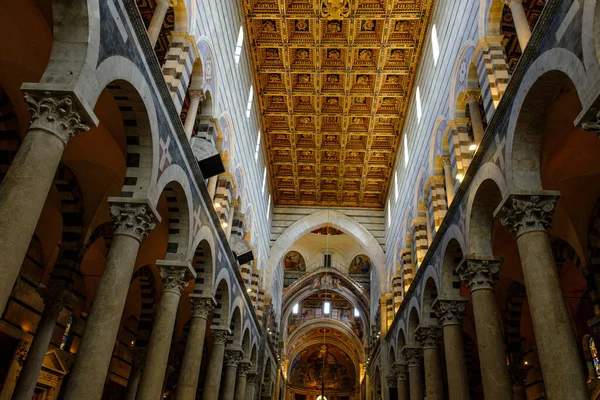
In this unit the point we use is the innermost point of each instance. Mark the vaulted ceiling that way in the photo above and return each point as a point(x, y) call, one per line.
point(334, 78)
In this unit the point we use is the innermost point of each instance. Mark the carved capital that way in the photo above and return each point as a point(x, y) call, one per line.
point(523, 213)
point(450, 311)
point(132, 219)
point(138, 356)
point(429, 336)
point(55, 299)
point(220, 335)
point(472, 95)
point(401, 371)
point(55, 114)
point(391, 381)
point(479, 273)
point(251, 378)
point(201, 306)
point(175, 276)
point(244, 368)
point(446, 161)
point(413, 356)
point(232, 358)
point(196, 94)
point(593, 124)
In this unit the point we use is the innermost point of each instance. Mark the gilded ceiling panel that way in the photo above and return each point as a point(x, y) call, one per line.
point(334, 78)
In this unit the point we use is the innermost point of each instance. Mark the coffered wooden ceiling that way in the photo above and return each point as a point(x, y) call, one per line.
point(333, 92)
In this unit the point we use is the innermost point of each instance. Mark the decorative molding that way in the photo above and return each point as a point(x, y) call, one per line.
point(528, 212)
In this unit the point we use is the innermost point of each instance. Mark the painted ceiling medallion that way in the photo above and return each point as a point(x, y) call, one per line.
point(335, 9)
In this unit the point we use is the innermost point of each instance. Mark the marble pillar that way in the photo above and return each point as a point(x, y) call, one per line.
point(212, 382)
point(212, 187)
point(175, 276)
point(138, 358)
point(528, 215)
point(54, 301)
point(449, 312)
point(401, 372)
point(414, 358)
point(240, 383)
point(521, 23)
point(196, 97)
point(429, 337)
point(192, 356)
point(472, 97)
point(232, 359)
point(160, 12)
point(232, 206)
point(54, 121)
point(132, 222)
point(480, 274)
point(250, 385)
point(448, 179)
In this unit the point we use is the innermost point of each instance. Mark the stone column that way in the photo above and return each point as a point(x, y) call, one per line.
point(518, 375)
point(475, 113)
point(175, 276)
point(232, 206)
point(240, 383)
point(55, 301)
point(414, 357)
point(232, 358)
point(160, 12)
point(212, 187)
point(401, 371)
point(215, 364)
point(448, 179)
point(480, 275)
point(521, 23)
point(23, 192)
point(429, 337)
point(250, 385)
point(449, 312)
point(528, 215)
point(132, 222)
point(192, 356)
point(138, 358)
point(195, 99)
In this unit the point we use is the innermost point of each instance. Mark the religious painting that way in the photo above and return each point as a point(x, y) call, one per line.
point(323, 363)
point(293, 261)
point(367, 25)
point(361, 264)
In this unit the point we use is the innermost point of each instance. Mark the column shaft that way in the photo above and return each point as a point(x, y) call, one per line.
point(160, 12)
point(230, 220)
point(190, 119)
point(212, 187)
point(556, 344)
point(133, 382)
point(434, 385)
point(403, 389)
point(456, 366)
point(476, 120)
point(240, 388)
point(416, 382)
point(250, 385)
point(22, 196)
point(521, 23)
point(449, 181)
point(494, 374)
point(192, 358)
point(94, 355)
point(213, 373)
point(228, 387)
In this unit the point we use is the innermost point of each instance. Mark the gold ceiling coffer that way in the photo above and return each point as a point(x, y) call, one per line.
point(335, 9)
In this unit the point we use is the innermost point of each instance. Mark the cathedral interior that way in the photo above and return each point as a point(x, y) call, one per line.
point(299, 199)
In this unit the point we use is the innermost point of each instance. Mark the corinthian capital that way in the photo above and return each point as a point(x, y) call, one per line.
point(132, 219)
point(429, 336)
point(479, 273)
point(56, 299)
point(201, 306)
point(196, 94)
point(251, 379)
point(233, 357)
point(401, 371)
point(391, 380)
point(244, 368)
point(449, 311)
point(528, 212)
point(219, 334)
point(175, 275)
point(55, 114)
point(413, 355)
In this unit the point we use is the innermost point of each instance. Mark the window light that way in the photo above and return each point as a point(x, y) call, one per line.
point(295, 308)
point(269, 209)
point(356, 313)
point(326, 307)
point(405, 151)
point(435, 45)
point(257, 147)
point(396, 191)
point(389, 213)
point(250, 97)
point(264, 180)
point(238, 46)
point(419, 111)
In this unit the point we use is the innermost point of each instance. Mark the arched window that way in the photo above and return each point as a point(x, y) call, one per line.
point(595, 358)
point(65, 336)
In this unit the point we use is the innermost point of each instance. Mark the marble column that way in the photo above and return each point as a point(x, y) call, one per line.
point(528, 215)
point(250, 385)
point(480, 275)
point(132, 222)
point(138, 358)
point(212, 382)
point(518, 375)
point(232, 358)
point(448, 179)
point(54, 301)
point(23, 192)
point(414, 358)
point(175, 276)
point(401, 371)
point(475, 113)
point(192, 356)
point(429, 337)
point(190, 119)
point(160, 12)
point(521, 24)
point(449, 312)
point(212, 187)
point(240, 384)
point(232, 206)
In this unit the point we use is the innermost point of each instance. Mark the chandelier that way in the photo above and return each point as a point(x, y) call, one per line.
point(335, 9)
